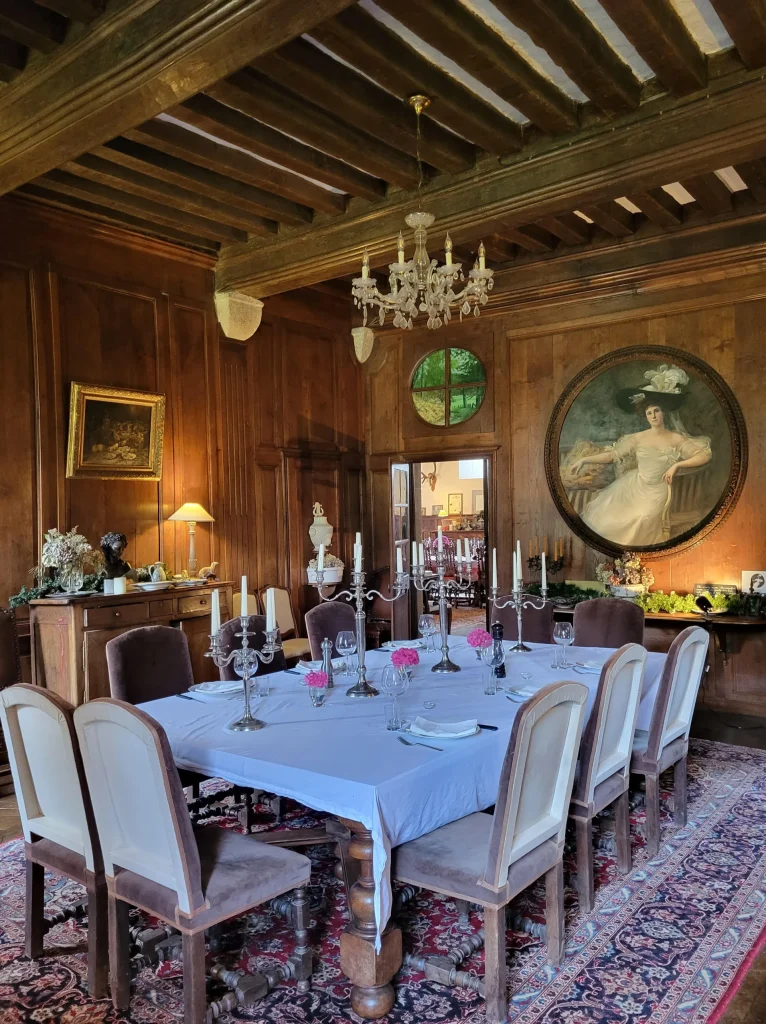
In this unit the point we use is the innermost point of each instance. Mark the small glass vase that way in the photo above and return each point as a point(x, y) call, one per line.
point(318, 695)
point(405, 672)
point(71, 579)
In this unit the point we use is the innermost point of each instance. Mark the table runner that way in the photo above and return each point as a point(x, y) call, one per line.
point(340, 758)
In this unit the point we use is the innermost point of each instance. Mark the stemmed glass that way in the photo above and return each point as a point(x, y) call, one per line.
point(493, 656)
point(394, 684)
point(427, 628)
point(345, 645)
point(563, 635)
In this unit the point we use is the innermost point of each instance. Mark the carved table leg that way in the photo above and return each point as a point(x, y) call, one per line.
point(370, 973)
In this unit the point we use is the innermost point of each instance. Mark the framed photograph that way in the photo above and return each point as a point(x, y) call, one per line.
point(436, 509)
point(646, 451)
point(454, 504)
point(115, 434)
point(754, 581)
point(477, 500)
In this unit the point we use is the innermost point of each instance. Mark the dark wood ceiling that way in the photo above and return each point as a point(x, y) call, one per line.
point(316, 132)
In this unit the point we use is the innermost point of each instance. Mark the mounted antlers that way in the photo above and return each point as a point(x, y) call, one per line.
point(429, 478)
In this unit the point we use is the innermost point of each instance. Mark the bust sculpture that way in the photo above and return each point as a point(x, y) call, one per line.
point(113, 545)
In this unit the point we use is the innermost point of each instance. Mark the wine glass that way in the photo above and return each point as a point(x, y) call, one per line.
point(427, 628)
point(345, 645)
point(563, 635)
point(394, 684)
point(493, 656)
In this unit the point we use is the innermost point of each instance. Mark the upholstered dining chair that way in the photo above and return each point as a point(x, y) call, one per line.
point(147, 663)
point(56, 816)
point(230, 641)
point(327, 620)
point(489, 859)
point(293, 646)
point(603, 771)
point(536, 625)
point(608, 622)
point(666, 743)
point(155, 860)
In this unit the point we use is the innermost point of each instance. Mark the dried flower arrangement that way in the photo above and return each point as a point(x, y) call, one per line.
point(626, 571)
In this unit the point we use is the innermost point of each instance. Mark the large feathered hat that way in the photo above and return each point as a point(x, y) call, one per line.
point(664, 389)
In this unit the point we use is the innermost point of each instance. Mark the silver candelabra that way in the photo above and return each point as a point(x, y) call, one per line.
point(519, 599)
point(445, 590)
point(358, 594)
point(246, 660)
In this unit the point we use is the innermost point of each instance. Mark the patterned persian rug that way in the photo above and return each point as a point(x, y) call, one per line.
point(663, 945)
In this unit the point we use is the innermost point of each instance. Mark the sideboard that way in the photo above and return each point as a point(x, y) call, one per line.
point(68, 635)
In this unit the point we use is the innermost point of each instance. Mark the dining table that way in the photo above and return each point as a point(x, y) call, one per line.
point(341, 759)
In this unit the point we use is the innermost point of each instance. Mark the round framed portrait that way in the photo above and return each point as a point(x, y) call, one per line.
point(646, 451)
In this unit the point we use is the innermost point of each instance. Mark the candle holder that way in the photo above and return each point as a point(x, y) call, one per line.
point(520, 599)
point(552, 565)
point(246, 660)
point(358, 594)
point(445, 590)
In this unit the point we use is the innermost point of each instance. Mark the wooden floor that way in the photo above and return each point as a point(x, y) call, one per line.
point(749, 1004)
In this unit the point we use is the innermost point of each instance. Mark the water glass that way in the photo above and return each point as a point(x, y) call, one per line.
point(426, 628)
point(394, 684)
point(345, 645)
point(391, 712)
point(493, 657)
point(318, 695)
point(563, 635)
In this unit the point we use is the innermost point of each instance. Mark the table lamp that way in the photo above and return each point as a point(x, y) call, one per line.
point(191, 513)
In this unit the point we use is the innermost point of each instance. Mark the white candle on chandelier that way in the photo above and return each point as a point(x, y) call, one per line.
point(414, 555)
point(448, 250)
point(439, 539)
point(358, 541)
point(399, 565)
point(515, 573)
point(215, 612)
point(271, 611)
point(543, 577)
point(482, 256)
point(320, 558)
point(358, 557)
point(243, 597)
point(459, 551)
point(494, 568)
point(518, 561)
point(366, 264)
point(400, 249)
point(421, 555)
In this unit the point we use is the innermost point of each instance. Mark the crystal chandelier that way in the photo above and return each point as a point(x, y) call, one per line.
point(420, 285)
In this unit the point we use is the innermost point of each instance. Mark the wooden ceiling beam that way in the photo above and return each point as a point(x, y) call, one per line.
point(303, 68)
point(105, 172)
point(753, 173)
point(657, 143)
point(122, 219)
point(710, 192)
point(659, 207)
point(180, 173)
point(32, 26)
point(660, 35)
point(612, 217)
point(499, 249)
point(571, 39)
point(530, 237)
point(231, 125)
point(571, 229)
point(84, 11)
point(186, 145)
point(256, 95)
point(745, 21)
point(13, 59)
point(367, 44)
point(103, 195)
point(139, 59)
point(463, 36)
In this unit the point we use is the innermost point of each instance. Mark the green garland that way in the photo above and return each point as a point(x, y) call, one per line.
point(51, 585)
point(566, 592)
point(675, 604)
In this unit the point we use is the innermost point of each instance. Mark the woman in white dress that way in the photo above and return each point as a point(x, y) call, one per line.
point(630, 510)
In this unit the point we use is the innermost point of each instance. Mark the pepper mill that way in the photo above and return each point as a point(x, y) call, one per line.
point(327, 661)
point(497, 642)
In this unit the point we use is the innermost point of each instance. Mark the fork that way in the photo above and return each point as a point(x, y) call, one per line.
point(411, 743)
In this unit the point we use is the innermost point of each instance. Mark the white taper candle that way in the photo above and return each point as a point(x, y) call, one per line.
point(271, 614)
point(399, 565)
point(215, 613)
point(421, 555)
point(494, 568)
point(543, 578)
point(515, 574)
point(414, 555)
point(358, 558)
point(439, 540)
point(243, 597)
point(320, 558)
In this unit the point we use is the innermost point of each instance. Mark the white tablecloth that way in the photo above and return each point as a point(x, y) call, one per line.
point(340, 758)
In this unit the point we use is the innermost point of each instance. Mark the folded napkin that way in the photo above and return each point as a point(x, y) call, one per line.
point(588, 667)
point(217, 686)
point(396, 645)
point(444, 730)
point(316, 666)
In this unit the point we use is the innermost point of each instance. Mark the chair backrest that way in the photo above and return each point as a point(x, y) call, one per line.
point(47, 770)
point(283, 606)
point(608, 622)
point(677, 692)
point(141, 814)
point(230, 642)
point(147, 663)
point(607, 741)
point(536, 779)
point(10, 664)
point(536, 624)
point(327, 620)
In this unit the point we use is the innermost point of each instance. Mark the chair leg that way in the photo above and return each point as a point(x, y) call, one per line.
point(652, 815)
point(584, 831)
point(622, 832)
point(35, 910)
point(98, 943)
point(302, 955)
point(679, 792)
point(195, 996)
point(495, 970)
point(119, 952)
point(554, 913)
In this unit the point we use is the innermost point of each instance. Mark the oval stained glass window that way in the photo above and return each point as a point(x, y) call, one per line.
point(448, 387)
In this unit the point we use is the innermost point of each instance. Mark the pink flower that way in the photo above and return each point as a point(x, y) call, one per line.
point(316, 679)
point(479, 638)
point(405, 657)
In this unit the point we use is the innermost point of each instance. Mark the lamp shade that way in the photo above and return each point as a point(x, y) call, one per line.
point(191, 512)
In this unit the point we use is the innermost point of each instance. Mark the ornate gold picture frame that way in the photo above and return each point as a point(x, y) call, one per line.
point(115, 434)
point(646, 451)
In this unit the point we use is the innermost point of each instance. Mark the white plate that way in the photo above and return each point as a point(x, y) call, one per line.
point(164, 585)
point(397, 645)
point(222, 686)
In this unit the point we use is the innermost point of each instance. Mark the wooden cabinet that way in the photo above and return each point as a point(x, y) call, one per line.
point(69, 634)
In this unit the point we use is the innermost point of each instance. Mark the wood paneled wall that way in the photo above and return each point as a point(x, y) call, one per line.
point(530, 355)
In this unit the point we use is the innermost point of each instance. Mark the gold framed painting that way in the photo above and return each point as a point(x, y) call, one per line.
point(115, 434)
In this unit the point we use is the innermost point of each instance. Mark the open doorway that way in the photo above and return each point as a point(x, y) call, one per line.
point(452, 493)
